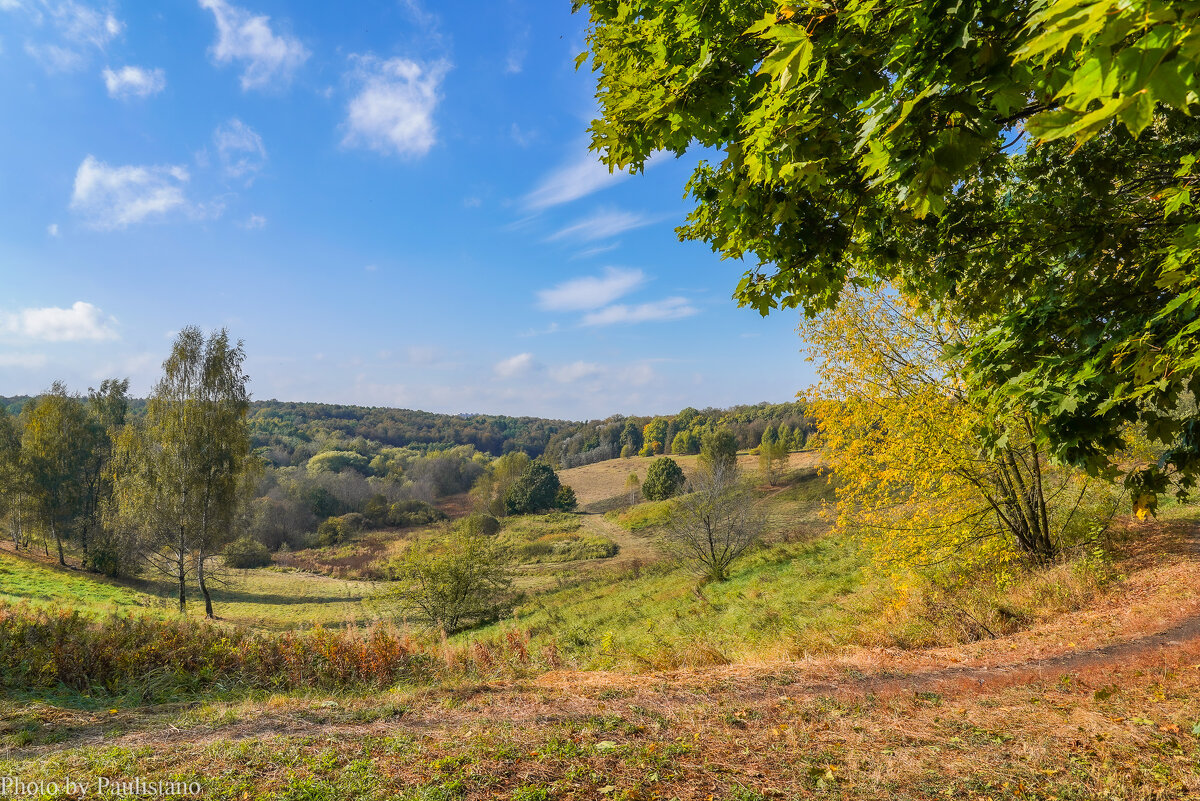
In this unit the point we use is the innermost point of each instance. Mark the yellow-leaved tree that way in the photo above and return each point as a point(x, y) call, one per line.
point(918, 475)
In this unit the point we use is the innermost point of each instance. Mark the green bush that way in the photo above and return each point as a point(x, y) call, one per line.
point(247, 553)
point(664, 479)
point(404, 514)
point(565, 499)
point(535, 491)
point(336, 530)
point(482, 524)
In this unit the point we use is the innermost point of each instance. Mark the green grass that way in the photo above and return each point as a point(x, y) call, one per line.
point(643, 516)
point(280, 599)
point(264, 598)
point(552, 538)
point(784, 599)
point(42, 585)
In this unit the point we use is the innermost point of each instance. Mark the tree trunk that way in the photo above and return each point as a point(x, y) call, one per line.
point(208, 610)
point(181, 555)
point(58, 541)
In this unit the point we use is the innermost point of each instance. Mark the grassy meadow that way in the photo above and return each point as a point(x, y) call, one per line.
point(619, 673)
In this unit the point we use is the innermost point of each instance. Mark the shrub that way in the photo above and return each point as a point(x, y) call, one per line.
point(535, 491)
point(664, 479)
point(481, 524)
point(453, 583)
point(565, 500)
point(336, 530)
point(247, 553)
point(403, 514)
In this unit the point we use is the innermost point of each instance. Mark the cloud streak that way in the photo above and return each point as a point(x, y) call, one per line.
point(590, 292)
point(667, 309)
point(602, 225)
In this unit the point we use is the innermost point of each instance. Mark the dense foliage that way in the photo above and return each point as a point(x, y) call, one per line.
point(664, 479)
point(1029, 164)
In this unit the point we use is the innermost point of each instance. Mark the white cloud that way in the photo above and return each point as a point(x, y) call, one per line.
point(514, 366)
point(666, 309)
point(77, 27)
point(254, 222)
point(590, 292)
point(602, 225)
point(55, 58)
point(130, 81)
point(393, 110)
point(572, 181)
point(569, 373)
point(82, 321)
point(240, 148)
point(85, 25)
point(27, 361)
point(52, 229)
point(115, 197)
point(270, 59)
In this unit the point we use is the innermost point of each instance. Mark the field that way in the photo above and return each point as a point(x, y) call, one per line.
point(1099, 702)
point(623, 677)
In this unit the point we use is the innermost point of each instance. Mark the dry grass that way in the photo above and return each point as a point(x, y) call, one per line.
point(595, 483)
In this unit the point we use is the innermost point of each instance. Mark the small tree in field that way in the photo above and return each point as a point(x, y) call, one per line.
point(772, 455)
point(633, 486)
point(452, 584)
point(535, 491)
point(664, 479)
point(715, 523)
point(718, 448)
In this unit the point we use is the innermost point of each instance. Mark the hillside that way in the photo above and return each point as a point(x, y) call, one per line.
point(1098, 702)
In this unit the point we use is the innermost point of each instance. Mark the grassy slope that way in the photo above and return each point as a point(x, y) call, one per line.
point(1043, 714)
point(262, 598)
point(43, 585)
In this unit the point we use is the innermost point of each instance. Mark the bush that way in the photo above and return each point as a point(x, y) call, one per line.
point(535, 491)
point(337, 530)
point(664, 479)
point(404, 514)
point(481, 524)
point(452, 584)
point(247, 553)
point(565, 500)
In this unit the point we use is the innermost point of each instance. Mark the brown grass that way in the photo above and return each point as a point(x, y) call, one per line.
point(595, 483)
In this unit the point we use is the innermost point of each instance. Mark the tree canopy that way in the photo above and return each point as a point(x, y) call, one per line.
point(1028, 164)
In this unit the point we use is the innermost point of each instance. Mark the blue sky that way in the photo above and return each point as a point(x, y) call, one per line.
point(391, 203)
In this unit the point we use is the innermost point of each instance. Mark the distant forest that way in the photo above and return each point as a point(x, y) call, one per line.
point(325, 471)
point(287, 433)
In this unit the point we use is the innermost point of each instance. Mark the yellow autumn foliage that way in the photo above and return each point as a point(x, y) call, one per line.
point(916, 477)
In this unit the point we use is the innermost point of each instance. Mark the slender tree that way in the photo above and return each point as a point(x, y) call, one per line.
point(180, 477)
point(54, 445)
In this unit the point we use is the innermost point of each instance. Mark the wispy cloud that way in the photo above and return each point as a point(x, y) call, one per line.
point(133, 82)
point(83, 24)
point(270, 59)
point(239, 148)
point(393, 110)
point(254, 222)
point(82, 321)
point(602, 225)
point(514, 366)
point(575, 371)
point(75, 29)
point(573, 180)
point(590, 292)
point(26, 361)
point(116, 197)
point(666, 309)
